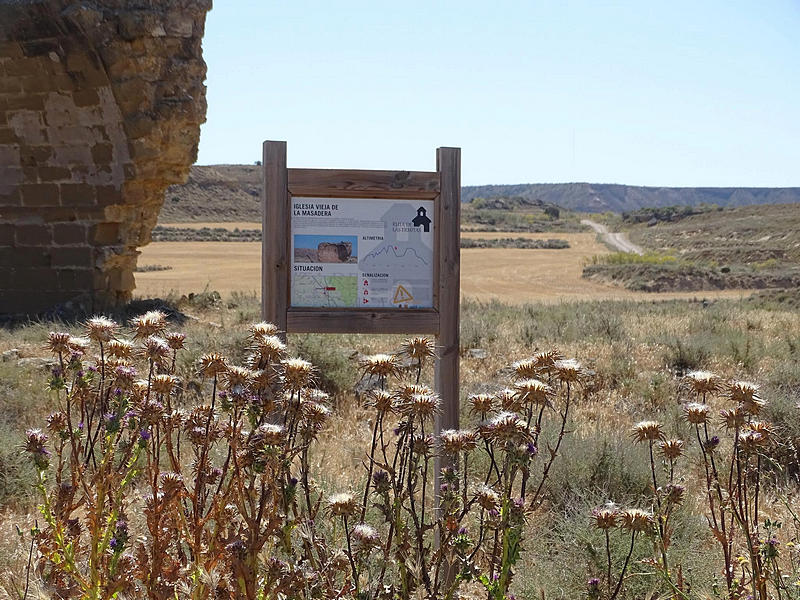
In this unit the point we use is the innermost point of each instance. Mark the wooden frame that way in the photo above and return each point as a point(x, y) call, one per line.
point(443, 186)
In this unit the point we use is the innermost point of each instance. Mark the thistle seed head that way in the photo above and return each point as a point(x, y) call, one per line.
point(418, 348)
point(298, 373)
point(605, 518)
point(150, 323)
point(733, 418)
point(58, 342)
point(175, 340)
point(120, 349)
point(671, 449)
point(703, 382)
point(509, 401)
point(381, 365)
point(533, 391)
point(696, 413)
point(634, 519)
point(262, 330)
point(268, 349)
point(343, 504)
point(100, 329)
point(365, 537)
point(163, 384)
point(527, 368)
point(381, 400)
point(741, 391)
point(647, 431)
point(482, 404)
point(568, 370)
point(456, 441)
point(156, 350)
point(212, 364)
point(486, 497)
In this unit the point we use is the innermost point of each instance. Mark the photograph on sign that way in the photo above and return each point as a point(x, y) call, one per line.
point(362, 253)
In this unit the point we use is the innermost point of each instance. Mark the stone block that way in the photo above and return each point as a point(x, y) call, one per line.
point(33, 235)
point(86, 97)
point(10, 49)
point(65, 234)
point(102, 153)
point(106, 233)
point(68, 256)
point(49, 174)
point(6, 234)
point(10, 197)
point(9, 154)
point(36, 278)
point(40, 194)
point(6, 277)
point(8, 136)
point(77, 194)
point(35, 155)
point(108, 195)
point(76, 279)
point(25, 257)
point(10, 85)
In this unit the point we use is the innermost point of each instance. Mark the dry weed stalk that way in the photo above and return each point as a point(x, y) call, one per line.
point(143, 497)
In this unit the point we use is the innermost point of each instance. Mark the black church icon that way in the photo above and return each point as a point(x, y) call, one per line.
point(422, 220)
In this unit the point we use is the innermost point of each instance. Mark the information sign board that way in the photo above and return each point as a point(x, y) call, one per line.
point(362, 253)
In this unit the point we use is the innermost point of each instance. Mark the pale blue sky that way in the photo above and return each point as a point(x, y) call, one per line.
point(680, 93)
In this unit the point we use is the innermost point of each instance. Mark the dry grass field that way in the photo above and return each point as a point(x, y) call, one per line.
point(506, 274)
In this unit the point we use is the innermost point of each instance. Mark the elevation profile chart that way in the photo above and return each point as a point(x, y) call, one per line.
point(362, 253)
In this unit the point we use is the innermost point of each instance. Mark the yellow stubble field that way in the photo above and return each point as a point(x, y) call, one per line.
point(508, 274)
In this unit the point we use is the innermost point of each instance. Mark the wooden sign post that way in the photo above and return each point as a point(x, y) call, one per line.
point(340, 257)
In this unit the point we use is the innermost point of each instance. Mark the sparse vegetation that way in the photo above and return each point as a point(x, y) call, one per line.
point(636, 357)
point(708, 248)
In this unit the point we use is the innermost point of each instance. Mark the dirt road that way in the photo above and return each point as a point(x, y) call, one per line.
point(619, 241)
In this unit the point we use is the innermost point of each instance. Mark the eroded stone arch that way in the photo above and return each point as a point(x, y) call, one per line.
point(100, 110)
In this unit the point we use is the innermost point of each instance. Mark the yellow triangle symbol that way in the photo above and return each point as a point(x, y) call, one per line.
point(401, 295)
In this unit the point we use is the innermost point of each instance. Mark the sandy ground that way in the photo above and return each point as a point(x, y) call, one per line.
point(510, 275)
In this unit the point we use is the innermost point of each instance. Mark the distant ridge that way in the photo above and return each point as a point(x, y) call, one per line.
point(220, 193)
point(602, 197)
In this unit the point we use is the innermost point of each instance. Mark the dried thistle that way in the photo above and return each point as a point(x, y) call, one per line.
point(418, 348)
point(696, 413)
point(343, 504)
point(671, 449)
point(100, 329)
point(175, 339)
point(482, 404)
point(568, 370)
point(58, 342)
point(380, 365)
point(150, 323)
point(212, 364)
point(120, 349)
point(703, 382)
point(533, 391)
point(298, 373)
point(605, 518)
point(636, 520)
point(457, 441)
point(527, 368)
point(647, 431)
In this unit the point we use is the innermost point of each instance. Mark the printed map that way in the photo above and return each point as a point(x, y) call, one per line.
point(362, 253)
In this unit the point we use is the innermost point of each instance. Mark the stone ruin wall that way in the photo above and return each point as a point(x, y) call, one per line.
point(100, 110)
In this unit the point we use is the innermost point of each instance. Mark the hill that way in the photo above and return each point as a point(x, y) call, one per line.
point(602, 197)
point(708, 249)
point(227, 193)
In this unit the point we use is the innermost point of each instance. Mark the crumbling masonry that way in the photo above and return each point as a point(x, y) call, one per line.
point(100, 110)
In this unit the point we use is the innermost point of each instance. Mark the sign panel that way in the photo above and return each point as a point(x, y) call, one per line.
point(361, 253)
